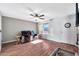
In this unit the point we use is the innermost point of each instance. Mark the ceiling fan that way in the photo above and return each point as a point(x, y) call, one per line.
point(36, 15)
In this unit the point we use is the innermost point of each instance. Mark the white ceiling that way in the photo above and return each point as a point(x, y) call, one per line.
point(51, 10)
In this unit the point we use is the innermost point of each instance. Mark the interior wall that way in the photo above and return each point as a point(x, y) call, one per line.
point(78, 34)
point(59, 33)
point(0, 32)
point(11, 26)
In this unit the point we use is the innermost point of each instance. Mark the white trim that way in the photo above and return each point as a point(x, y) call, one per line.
point(63, 42)
point(8, 41)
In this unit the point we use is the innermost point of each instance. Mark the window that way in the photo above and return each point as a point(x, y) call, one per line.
point(45, 26)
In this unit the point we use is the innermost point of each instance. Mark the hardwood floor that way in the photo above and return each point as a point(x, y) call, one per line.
point(37, 47)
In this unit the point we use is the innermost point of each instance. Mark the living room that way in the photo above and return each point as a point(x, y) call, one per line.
point(51, 25)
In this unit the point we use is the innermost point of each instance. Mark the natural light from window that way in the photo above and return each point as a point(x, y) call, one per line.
point(37, 41)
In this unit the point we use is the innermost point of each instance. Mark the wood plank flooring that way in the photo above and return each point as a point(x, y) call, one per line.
point(37, 47)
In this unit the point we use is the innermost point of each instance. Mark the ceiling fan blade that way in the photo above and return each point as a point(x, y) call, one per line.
point(41, 15)
point(40, 11)
point(31, 14)
point(31, 10)
point(51, 19)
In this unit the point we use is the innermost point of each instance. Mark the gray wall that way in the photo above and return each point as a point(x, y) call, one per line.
point(11, 26)
point(59, 33)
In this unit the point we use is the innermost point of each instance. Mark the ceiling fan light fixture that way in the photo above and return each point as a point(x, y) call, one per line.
point(36, 18)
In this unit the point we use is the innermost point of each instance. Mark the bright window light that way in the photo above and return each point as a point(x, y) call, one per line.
point(36, 41)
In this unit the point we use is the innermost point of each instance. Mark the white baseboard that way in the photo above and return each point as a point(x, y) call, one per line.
point(8, 41)
point(63, 42)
